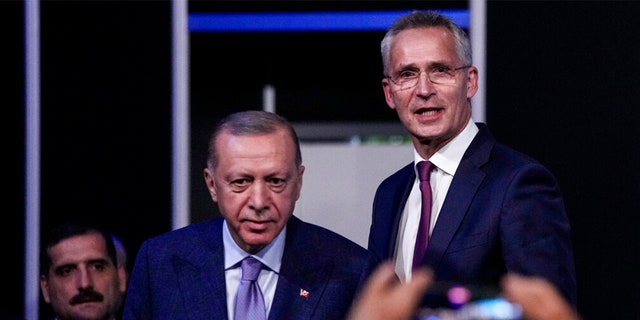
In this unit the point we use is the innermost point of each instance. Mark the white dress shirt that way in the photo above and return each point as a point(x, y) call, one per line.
point(270, 257)
point(446, 161)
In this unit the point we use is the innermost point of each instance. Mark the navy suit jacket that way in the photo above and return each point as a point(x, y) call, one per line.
point(503, 212)
point(180, 274)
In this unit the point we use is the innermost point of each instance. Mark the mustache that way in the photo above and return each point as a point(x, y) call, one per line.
point(86, 295)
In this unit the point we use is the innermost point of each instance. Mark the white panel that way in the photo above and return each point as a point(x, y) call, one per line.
point(340, 181)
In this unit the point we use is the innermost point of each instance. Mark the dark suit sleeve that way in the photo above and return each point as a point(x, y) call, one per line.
point(535, 229)
point(179, 275)
point(137, 302)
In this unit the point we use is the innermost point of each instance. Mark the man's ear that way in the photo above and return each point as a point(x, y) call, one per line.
point(388, 94)
point(211, 184)
point(123, 276)
point(472, 83)
point(44, 287)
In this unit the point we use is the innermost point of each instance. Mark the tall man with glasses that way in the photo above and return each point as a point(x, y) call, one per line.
point(493, 210)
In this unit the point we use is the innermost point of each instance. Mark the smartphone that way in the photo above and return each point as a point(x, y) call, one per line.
point(447, 301)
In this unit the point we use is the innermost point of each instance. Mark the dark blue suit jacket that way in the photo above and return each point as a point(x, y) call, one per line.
point(503, 211)
point(180, 274)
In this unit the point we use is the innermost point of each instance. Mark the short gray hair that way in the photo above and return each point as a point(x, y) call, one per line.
point(426, 19)
point(252, 122)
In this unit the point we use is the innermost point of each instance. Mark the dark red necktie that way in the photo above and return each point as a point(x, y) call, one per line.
point(424, 172)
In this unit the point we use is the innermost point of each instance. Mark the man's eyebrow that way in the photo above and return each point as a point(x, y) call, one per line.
point(90, 261)
point(64, 266)
point(99, 260)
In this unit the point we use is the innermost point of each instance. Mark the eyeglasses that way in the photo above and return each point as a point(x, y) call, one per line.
point(438, 74)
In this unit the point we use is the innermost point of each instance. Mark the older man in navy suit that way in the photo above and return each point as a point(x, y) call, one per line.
point(254, 174)
point(493, 210)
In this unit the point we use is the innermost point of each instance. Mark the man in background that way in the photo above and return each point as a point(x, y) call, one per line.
point(80, 277)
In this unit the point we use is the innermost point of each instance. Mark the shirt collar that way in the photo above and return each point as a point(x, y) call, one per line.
point(448, 157)
point(270, 256)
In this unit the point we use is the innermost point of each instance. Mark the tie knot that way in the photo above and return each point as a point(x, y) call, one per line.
point(251, 269)
point(424, 170)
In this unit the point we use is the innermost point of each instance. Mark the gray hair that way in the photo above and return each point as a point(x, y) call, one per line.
point(426, 19)
point(252, 122)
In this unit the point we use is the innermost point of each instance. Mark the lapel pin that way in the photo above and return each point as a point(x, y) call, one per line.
point(304, 293)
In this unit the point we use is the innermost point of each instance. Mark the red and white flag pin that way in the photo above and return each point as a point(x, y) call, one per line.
point(304, 293)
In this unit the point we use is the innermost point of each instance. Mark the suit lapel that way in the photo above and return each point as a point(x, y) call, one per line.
point(407, 176)
point(203, 295)
point(302, 279)
point(389, 204)
point(464, 186)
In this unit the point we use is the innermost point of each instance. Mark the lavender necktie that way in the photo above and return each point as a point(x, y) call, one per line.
point(424, 172)
point(249, 300)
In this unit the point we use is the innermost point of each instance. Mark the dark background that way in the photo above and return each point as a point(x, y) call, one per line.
point(562, 86)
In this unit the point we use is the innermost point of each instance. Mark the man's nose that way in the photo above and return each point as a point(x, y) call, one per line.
point(424, 84)
point(83, 278)
point(259, 197)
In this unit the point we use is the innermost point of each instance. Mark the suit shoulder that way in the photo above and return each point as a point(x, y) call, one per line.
point(515, 157)
point(399, 175)
point(185, 236)
point(323, 238)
